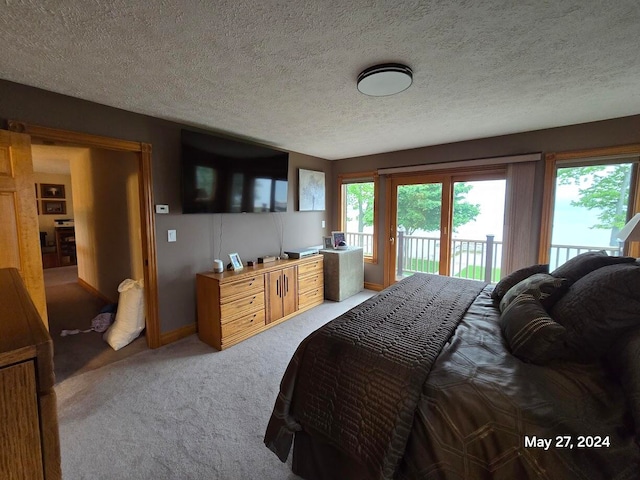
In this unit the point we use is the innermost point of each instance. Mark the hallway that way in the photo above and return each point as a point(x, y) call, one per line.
point(70, 307)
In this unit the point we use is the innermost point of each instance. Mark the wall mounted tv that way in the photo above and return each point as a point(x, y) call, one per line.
point(221, 175)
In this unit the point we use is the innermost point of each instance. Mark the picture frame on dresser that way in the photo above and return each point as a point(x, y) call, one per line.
point(327, 243)
point(236, 263)
point(337, 237)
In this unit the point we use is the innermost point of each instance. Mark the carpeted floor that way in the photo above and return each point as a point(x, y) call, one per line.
point(70, 307)
point(183, 411)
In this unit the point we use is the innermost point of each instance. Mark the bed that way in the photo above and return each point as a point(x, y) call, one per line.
point(439, 377)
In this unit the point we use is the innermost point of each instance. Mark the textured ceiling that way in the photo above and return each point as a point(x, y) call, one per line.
point(284, 73)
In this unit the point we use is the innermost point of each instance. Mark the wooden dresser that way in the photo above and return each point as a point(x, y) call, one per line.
point(29, 441)
point(234, 305)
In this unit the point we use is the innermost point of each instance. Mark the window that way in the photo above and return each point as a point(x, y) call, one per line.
point(589, 196)
point(358, 211)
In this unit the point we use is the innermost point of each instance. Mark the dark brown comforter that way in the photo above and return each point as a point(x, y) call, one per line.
point(475, 407)
point(357, 380)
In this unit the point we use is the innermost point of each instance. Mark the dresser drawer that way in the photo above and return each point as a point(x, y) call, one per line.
point(249, 284)
point(243, 325)
point(315, 296)
point(312, 267)
point(310, 282)
point(249, 303)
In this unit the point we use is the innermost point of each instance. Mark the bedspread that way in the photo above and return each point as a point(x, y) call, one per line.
point(357, 381)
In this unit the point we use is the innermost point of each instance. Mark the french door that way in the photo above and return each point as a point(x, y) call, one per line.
point(446, 224)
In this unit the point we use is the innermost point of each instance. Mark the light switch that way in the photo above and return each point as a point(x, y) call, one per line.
point(171, 235)
point(323, 223)
point(162, 208)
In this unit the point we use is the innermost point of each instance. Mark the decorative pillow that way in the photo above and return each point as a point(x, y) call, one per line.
point(599, 308)
point(623, 359)
point(516, 277)
point(577, 267)
point(532, 335)
point(542, 286)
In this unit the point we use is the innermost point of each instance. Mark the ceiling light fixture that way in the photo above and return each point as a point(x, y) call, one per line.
point(385, 79)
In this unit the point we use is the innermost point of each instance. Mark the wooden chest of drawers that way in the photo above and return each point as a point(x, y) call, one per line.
point(29, 440)
point(234, 305)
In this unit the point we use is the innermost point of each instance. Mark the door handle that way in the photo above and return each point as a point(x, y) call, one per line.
point(392, 240)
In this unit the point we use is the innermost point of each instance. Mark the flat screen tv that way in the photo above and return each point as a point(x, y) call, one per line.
point(221, 175)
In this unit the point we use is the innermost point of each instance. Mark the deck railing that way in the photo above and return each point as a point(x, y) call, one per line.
point(469, 257)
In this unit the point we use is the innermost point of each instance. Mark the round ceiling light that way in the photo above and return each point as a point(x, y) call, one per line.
point(386, 79)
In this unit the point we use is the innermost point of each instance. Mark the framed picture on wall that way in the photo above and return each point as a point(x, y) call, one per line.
point(311, 190)
point(51, 190)
point(54, 207)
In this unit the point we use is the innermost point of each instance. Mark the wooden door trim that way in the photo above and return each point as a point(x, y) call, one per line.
point(149, 253)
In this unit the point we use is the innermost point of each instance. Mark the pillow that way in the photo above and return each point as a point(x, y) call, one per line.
point(532, 335)
point(515, 277)
point(577, 267)
point(623, 359)
point(599, 308)
point(129, 317)
point(542, 286)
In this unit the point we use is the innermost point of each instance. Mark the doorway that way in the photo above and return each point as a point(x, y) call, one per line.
point(90, 242)
point(447, 224)
point(142, 152)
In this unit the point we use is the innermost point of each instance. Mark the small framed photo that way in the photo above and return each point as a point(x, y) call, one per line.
point(336, 238)
point(328, 243)
point(236, 263)
point(51, 190)
point(54, 207)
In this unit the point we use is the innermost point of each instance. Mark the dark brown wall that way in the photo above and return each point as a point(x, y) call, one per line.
point(620, 131)
point(250, 235)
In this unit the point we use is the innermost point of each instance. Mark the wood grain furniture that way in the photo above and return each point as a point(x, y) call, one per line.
point(66, 246)
point(343, 273)
point(29, 441)
point(234, 305)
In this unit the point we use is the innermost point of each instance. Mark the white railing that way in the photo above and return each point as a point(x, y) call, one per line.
point(561, 253)
point(469, 257)
point(364, 240)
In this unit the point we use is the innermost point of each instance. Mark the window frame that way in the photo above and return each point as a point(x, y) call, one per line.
point(361, 177)
point(555, 160)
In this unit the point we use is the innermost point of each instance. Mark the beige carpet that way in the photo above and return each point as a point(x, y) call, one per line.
point(70, 307)
point(183, 411)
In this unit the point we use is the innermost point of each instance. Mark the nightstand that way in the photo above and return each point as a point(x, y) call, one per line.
point(343, 273)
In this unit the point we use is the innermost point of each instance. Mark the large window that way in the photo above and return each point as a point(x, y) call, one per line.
point(358, 211)
point(587, 201)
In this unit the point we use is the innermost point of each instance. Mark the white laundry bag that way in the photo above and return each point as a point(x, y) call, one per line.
point(129, 316)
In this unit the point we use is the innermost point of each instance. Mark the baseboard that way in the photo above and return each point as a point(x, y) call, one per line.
point(93, 291)
point(373, 286)
point(177, 334)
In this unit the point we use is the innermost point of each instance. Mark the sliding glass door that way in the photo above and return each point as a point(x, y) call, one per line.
point(447, 225)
